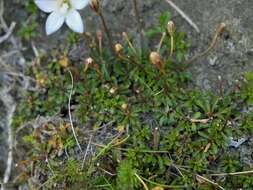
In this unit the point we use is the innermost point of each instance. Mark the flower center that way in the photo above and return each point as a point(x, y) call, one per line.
point(65, 6)
point(66, 2)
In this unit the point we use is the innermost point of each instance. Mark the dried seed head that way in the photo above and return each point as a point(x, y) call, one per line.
point(170, 27)
point(94, 5)
point(89, 61)
point(118, 48)
point(221, 27)
point(112, 90)
point(124, 106)
point(99, 35)
point(155, 58)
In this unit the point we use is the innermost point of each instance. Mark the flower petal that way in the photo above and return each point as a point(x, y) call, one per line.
point(54, 21)
point(74, 21)
point(47, 6)
point(79, 4)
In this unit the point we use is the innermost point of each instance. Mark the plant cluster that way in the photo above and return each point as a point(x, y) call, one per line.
point(139, 124)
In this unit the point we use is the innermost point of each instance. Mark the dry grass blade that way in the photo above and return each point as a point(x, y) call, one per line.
point(187, 18)
point(142, 182)
point(233, 173)
point(201, 178)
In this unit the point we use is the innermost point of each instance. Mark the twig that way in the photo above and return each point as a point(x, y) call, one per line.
point(174, 6)
point(11, 107)
point(6, 28)
point(69, 110)
point(8, 33)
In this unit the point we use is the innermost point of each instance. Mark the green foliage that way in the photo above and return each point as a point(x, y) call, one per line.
point(27, 30)
point(73, 37)
point(126, 179)
point(167, 132)
point(247, 91)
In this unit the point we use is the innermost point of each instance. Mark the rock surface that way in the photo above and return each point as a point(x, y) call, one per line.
point(234, 52)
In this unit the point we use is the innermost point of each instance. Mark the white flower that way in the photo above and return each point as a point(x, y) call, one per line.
point(63, 11)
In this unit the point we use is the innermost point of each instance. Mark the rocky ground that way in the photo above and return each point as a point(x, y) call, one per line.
point(232, 56)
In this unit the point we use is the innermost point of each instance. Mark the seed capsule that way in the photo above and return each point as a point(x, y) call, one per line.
point(94, 4)
point(155, 58)
point(87, 64)
point(118, 48)
point(124, 106)
point(89, 61)
point(221, 27)
point(171, 27)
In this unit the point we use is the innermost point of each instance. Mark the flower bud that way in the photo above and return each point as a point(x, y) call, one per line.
point(124, 106)
point(87, 63)
point(118, 48)
point(112, 90)
point(99, 35)
point(155, 58)
point(170, 27)
point(94, 5)
point(158, 188)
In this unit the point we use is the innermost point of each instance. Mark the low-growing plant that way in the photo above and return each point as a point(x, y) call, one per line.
point(139, 124)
